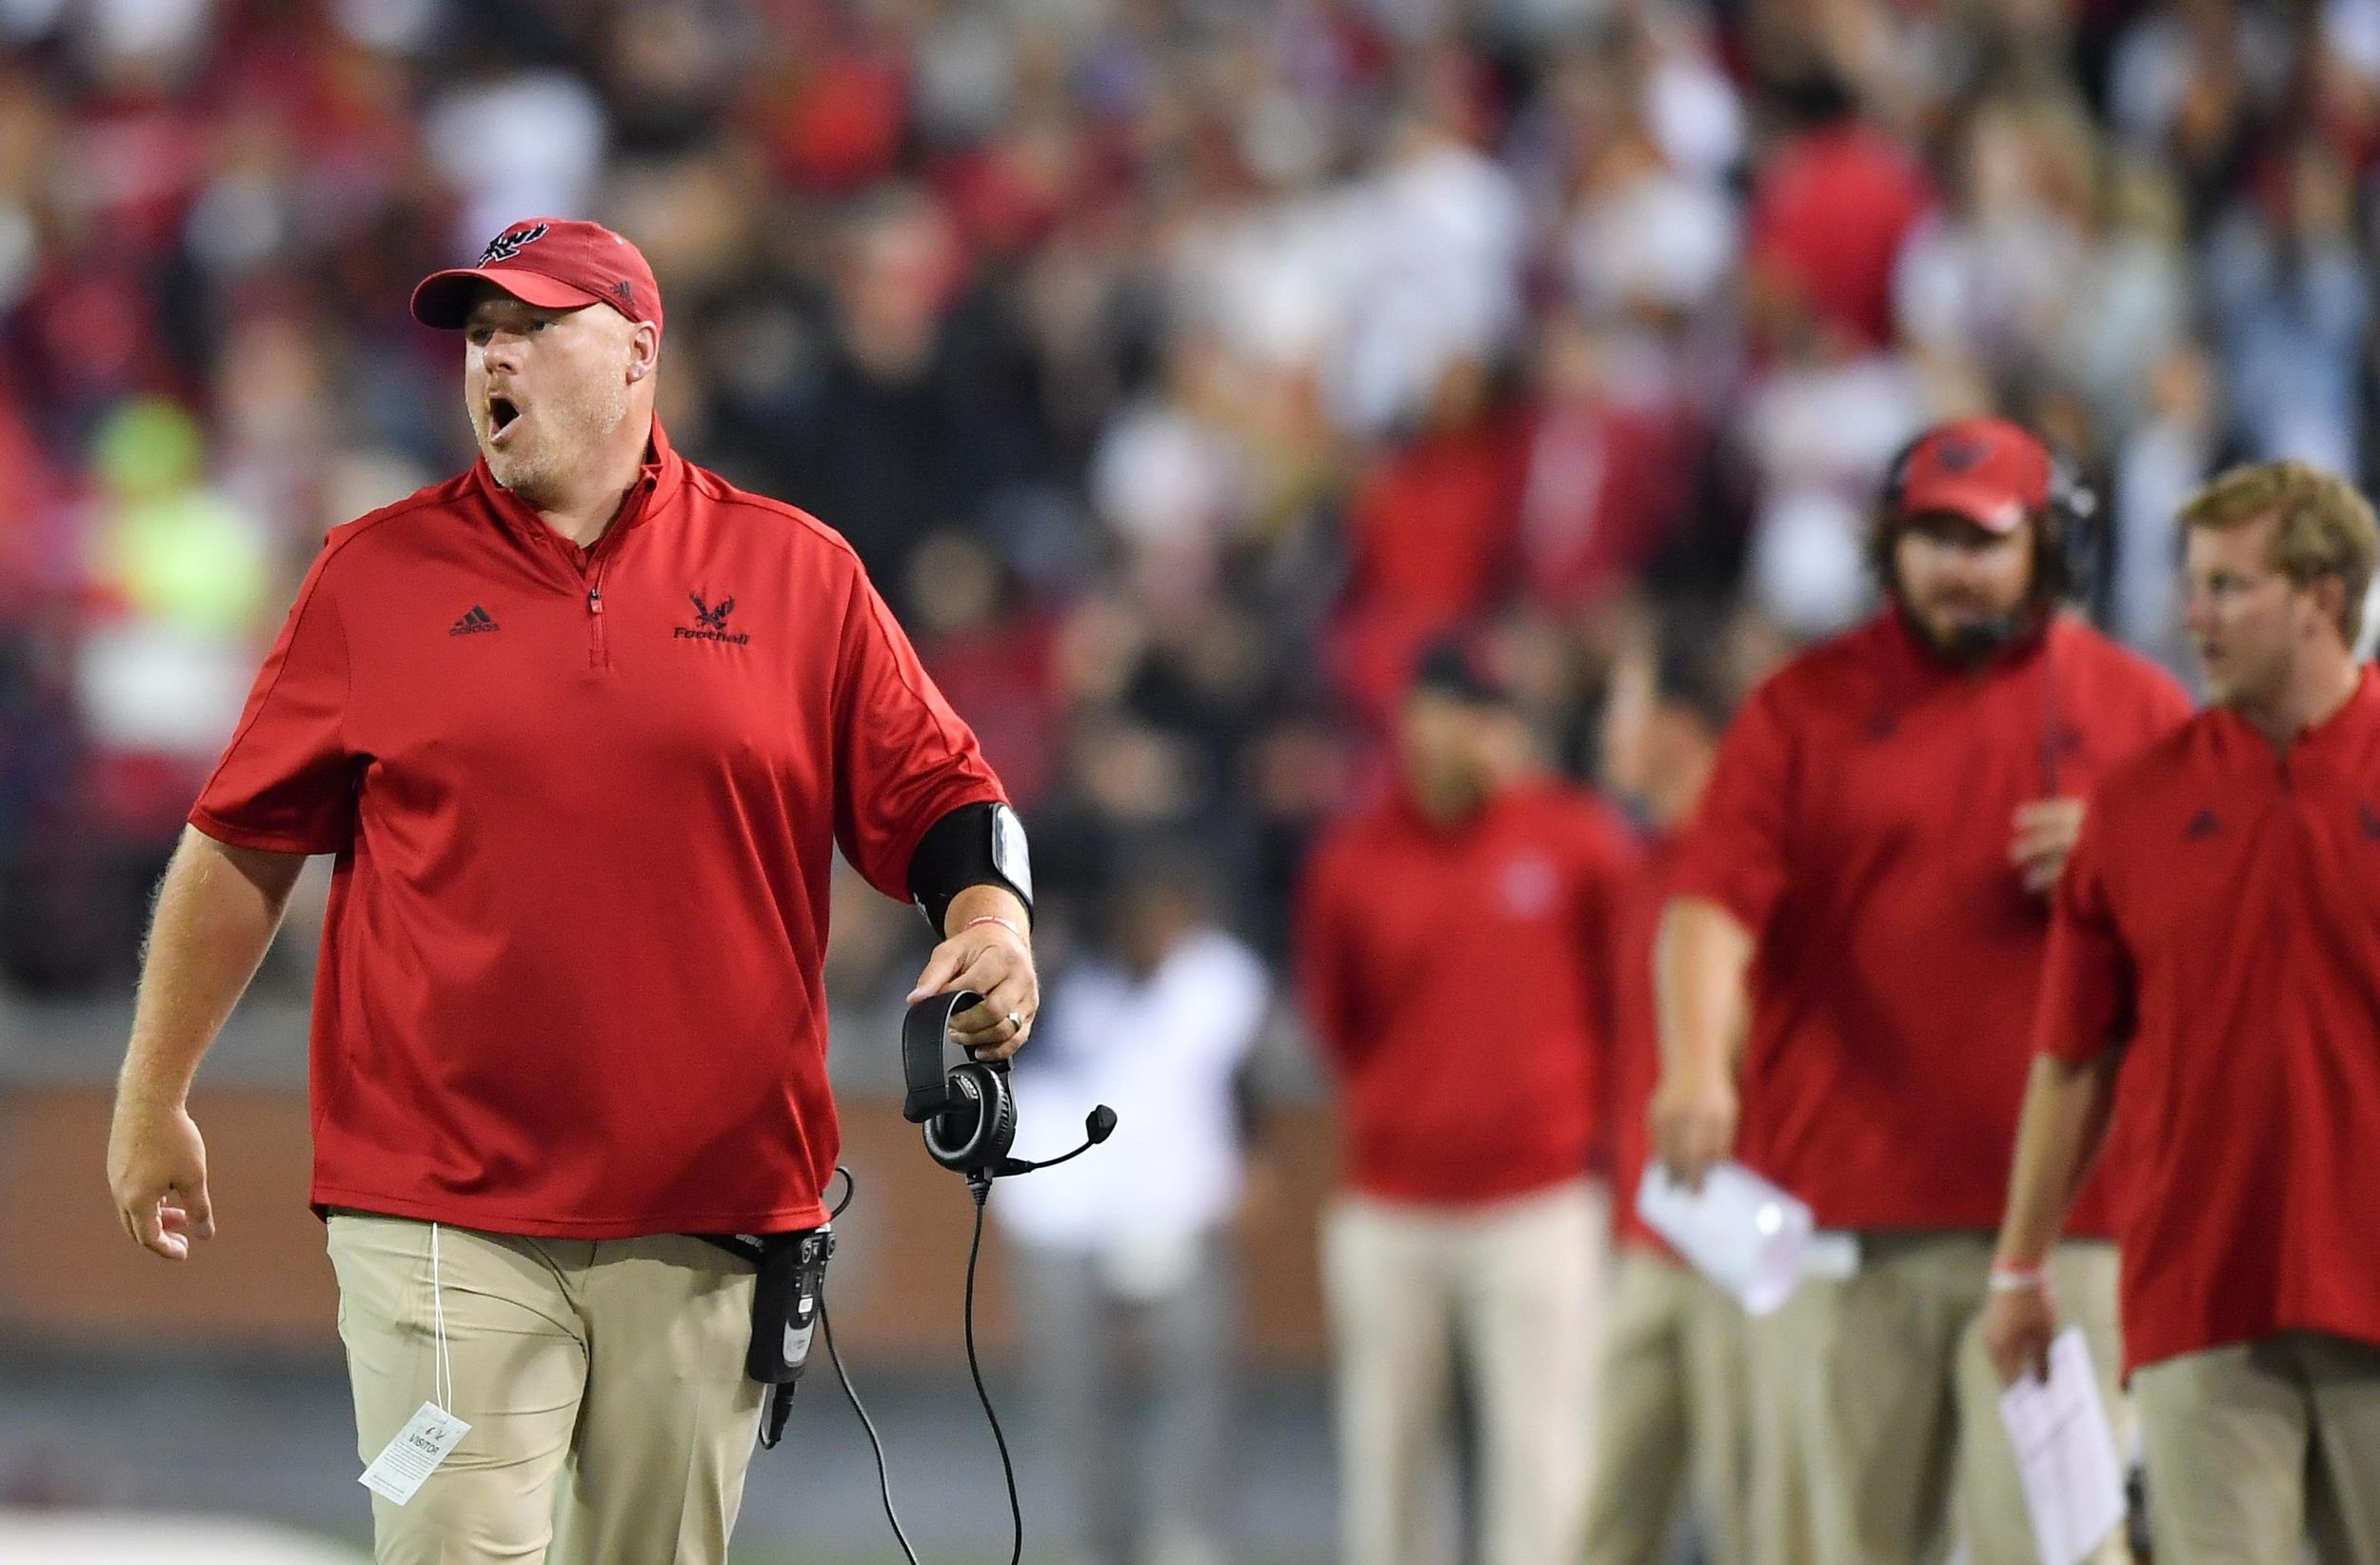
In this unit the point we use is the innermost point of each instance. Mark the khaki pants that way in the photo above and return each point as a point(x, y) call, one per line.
point(1672, 1417)
point(603, 1380)
point(1884, 1384)
point(1515, 1283)
point(2255, 1449)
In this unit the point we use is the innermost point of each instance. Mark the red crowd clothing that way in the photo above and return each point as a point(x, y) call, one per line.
point(2220, 924)
point(1432, 532)
point(584, 803)
point(1858, 824)
point(1458, 979)
point(1637, 1036)
point(1829, 213)
point(1606, 488)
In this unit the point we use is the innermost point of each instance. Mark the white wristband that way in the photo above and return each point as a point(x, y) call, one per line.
point(2018, 1279)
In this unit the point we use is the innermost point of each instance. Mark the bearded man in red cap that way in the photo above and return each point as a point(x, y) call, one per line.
point(583, 729)
point(1848, 965)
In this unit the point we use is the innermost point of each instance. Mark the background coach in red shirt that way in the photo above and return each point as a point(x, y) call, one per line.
point(1867, 868)
point(584, 727)
point(2213, 986)
point(1455, 940)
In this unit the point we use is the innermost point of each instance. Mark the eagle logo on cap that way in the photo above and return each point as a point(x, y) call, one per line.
point(1959, 456)
point(507, 245)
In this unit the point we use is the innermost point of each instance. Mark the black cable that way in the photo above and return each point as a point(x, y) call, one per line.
point(975, 1370)
point(978, 1189)
point(851, 1394)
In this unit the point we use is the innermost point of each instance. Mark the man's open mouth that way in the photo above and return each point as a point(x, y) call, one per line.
point(502, 413)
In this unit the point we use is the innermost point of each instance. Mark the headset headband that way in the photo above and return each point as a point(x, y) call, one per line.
point(923, 1033)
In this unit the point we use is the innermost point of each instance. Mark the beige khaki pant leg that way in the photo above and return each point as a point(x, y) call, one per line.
point(1719, 1394)
point(1391, 1293)
point(519, 1366)
point(2228, 1433)
point(1529, 1311)
point(1781, 1425)
point(1643, 1415)
point(1991, 1497)
point(1877, 1404)
point(2343, 1513)
point(669, 1420)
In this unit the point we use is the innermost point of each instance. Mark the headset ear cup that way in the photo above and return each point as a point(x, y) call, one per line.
point(952, 1134)
point(2071, 522)
point(976, 1130)
point(1000, 1128)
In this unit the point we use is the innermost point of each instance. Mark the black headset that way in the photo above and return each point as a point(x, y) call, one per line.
point(2066, 531)
point(968, 1110)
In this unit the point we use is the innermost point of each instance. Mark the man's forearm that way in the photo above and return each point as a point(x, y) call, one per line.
point(1700, 959)
point(215, 916)
point(985, 901)
point(2065, 1119)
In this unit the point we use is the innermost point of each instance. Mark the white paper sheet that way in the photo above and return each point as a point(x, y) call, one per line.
point(1739, 1230)
point(2065, 1454)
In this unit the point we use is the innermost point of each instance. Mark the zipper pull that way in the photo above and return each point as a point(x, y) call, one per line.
point(594, 599)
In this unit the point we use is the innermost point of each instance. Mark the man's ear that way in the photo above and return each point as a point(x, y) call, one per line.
point(644, 350)
point(2328, 595)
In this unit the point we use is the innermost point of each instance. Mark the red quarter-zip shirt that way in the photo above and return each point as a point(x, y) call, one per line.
point(1458, 978)
point(584, 804)
point(1858, 822)
point(2220, 925)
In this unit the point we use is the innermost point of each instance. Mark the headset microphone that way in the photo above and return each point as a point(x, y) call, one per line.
point(1097, 1126)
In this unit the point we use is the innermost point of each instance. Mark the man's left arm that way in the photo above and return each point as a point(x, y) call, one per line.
point(2086, 1016)
point(921, 816)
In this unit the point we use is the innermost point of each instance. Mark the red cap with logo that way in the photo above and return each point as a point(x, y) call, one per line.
point(1989, 471)
point(554, 263)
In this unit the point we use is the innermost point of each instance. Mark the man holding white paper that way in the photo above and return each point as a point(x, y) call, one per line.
point(1868, 866)
point(2208, 1011)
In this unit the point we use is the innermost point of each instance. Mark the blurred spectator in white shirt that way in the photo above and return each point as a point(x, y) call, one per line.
point(1123, 1260)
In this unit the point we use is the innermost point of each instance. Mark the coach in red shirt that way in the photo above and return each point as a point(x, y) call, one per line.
point(1454, 943)
point(2211, 1009)
point(1868, 871)
point(583, 727)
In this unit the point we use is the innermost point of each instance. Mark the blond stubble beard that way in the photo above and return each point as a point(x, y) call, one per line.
point(576, 426)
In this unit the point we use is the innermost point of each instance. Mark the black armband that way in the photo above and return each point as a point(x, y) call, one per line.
point(975, 844)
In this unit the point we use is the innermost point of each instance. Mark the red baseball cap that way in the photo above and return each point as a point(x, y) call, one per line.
point(1990, 471)
point(554, 263)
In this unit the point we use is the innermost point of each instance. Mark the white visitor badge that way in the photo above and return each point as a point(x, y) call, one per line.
point(428, 1439)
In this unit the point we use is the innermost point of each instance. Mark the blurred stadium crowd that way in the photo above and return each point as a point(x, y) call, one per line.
point(1177, 366)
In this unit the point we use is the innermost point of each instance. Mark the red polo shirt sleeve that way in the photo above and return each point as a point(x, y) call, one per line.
point(1736, 853)
point(2087, 981)
point(286, 782)
point(905, 758)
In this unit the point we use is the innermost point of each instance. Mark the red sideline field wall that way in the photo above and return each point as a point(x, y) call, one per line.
point(67, 1274)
